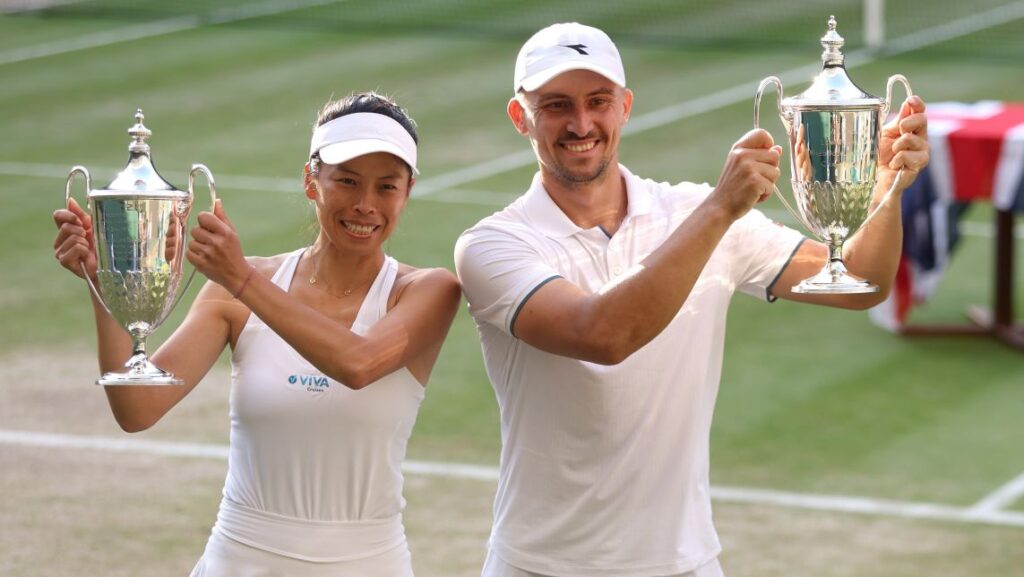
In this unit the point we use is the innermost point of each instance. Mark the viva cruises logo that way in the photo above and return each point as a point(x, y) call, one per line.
point(312, 383)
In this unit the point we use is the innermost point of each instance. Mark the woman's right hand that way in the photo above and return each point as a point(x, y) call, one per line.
point(73, 245)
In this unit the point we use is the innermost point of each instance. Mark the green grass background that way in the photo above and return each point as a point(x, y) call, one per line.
point(811, 400)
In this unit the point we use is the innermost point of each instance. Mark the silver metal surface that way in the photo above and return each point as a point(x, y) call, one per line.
point(833, 129)
point(139, 235)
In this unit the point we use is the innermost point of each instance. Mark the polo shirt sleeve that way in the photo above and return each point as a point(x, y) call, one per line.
point(762, 248)
point(499, 271)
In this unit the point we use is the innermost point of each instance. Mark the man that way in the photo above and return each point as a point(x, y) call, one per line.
point(601, 301)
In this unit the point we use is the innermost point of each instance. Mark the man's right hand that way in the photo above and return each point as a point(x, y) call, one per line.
point(749, 174)
point(73, 245)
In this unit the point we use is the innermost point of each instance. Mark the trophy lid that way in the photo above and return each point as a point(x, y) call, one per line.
point(832, 87)
point(139, 177)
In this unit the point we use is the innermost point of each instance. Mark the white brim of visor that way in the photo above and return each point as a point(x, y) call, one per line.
point(361, 133)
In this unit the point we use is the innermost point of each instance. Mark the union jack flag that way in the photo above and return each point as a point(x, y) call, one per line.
point(977, 154)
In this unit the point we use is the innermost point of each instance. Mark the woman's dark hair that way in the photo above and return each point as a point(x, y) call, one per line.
point(363, 102)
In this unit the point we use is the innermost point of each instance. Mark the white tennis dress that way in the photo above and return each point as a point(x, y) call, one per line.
point(314, 483)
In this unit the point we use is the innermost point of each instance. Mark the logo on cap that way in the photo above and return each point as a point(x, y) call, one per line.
point(577, 47)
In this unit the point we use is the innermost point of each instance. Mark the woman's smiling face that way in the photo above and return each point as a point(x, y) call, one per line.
point(359, 201)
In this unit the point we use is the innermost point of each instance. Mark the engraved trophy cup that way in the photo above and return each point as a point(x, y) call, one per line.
point(834, 129)
point(139, 237)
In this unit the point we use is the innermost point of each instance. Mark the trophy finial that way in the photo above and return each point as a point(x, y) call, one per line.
point(832, 42)
point(139, 134)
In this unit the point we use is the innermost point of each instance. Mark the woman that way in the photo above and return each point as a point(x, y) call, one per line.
point(332, 347)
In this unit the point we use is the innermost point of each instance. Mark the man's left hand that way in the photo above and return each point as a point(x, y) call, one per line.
point(904, 144)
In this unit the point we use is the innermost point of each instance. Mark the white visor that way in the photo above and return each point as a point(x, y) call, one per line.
point(352, 135)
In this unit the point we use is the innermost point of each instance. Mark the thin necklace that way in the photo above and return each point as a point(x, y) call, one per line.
point(313, 282)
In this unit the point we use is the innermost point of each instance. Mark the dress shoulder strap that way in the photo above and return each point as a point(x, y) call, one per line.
point(282, 278)
point(285, 272)
point(375, 305)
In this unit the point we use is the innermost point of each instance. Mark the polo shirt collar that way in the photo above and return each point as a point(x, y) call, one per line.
point(547, 217)
point(637, 194)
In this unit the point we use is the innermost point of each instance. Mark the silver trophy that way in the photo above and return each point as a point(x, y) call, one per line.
point(834, 128)
point(139, 225)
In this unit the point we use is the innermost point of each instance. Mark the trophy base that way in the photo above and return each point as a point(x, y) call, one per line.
point(831, 282)
point(139, 371)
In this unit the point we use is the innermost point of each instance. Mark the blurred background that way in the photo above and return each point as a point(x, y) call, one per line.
point(838, 448)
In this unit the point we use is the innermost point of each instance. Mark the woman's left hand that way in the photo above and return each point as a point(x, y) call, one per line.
point(216, 251)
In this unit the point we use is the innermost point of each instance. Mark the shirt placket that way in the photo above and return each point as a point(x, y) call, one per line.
point(615, 256)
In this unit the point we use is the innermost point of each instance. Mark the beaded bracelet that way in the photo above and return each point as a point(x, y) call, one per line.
point(245, 283)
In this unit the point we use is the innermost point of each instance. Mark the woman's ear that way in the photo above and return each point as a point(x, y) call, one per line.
point(309, 182)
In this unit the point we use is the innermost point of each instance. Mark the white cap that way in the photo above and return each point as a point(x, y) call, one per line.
point(563, 47)
point(359, 133)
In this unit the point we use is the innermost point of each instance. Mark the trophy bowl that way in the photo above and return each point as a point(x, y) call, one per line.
point(833, 129)
point(139, 232)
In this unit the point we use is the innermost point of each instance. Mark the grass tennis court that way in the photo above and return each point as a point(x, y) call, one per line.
point(813, 401)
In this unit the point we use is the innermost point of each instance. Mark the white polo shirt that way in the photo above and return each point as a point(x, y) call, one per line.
point(604, 469)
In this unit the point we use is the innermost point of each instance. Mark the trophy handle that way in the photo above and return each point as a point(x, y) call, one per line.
point(887, 105)
point(191, 196)
point(757, 124)
point(886, 108)
point(88, 204)
point(209, 181)
point(760, 92)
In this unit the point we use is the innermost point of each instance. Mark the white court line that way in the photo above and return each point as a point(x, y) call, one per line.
point(736, 94)
point(957, 28)
point(869, 506)
point(126, 34)
point(114, 444)
point(105, 173)
point(834, 503)
point(1001, 497)
point(234, 181)
point(158, 28)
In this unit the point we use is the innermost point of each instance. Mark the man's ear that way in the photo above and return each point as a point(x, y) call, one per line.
point(627, 102)
point(517, 114)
